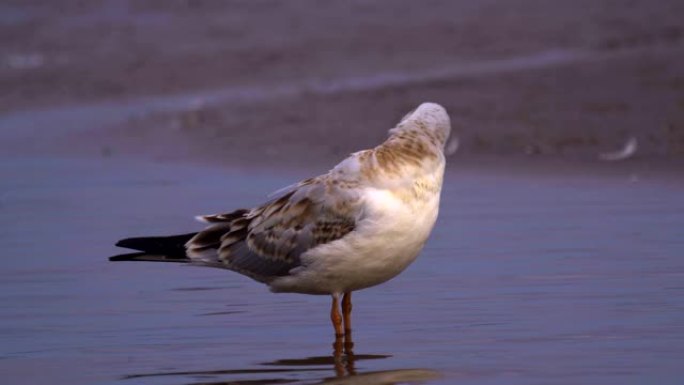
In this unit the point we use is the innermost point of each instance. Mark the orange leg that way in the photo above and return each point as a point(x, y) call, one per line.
point(346, 312)
point(335, 316)
point(348, 343)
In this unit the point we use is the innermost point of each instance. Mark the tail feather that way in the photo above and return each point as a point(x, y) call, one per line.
point(155, 249)
point(145, 257)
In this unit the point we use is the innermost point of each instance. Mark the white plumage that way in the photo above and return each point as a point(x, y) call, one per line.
point(358, 225)
point(388, 196)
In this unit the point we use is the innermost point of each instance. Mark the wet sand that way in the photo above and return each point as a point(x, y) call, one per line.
point(208, 81)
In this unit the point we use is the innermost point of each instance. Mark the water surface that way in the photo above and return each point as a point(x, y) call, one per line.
point(534, 279)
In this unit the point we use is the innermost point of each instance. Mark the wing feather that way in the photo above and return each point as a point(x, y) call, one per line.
point(268, 241)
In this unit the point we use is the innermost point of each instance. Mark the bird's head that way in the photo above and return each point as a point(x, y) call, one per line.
point(429, 118)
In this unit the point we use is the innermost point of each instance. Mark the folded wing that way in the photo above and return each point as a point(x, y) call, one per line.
point(267, 242)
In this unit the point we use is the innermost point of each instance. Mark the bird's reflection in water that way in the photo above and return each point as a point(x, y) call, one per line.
point(311, 369)
point(343, 355)
point(344, 361)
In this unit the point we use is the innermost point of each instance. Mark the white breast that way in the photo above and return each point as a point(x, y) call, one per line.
point(395, 226)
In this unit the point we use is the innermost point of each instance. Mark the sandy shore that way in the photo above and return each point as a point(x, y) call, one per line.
point(271, 82)
point(252, 88)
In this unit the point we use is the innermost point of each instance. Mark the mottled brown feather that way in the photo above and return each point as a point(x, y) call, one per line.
point(267, 241)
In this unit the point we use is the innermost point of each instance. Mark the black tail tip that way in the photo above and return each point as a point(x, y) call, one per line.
point(147, 257)
point(126, 257)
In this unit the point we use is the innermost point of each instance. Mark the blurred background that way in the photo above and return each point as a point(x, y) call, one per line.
point(558, 256)
point(237, 82)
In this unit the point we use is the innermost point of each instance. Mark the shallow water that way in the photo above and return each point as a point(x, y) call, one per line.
point(534, 279)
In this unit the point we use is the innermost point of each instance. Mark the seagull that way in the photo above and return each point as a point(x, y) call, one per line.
point(359, 225)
